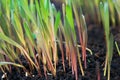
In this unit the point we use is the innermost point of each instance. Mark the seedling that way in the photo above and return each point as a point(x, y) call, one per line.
point(35, 29)
point(117, 48)
point(104, 9)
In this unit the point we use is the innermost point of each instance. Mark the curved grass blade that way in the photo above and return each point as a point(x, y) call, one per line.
point(57, 22)
point(10, 41)
point(29, 33)
point(117, 48)
point(104, 9)
point(10, 63)
point(70, 21)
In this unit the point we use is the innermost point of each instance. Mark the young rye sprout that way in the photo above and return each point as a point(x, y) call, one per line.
point(104, 9)
point(36, 30)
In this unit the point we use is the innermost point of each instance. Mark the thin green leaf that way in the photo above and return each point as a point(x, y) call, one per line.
point(57, 22)
point(10, 41)
point(10, 63)
point(117, 48)
point(29, 33)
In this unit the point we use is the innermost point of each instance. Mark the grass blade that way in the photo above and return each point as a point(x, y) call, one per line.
point(10, 41)
point(10, 63)
point(117, 48)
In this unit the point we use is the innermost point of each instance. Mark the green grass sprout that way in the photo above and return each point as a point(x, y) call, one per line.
point(39, 31)
point(117, 47)
point(104, 9)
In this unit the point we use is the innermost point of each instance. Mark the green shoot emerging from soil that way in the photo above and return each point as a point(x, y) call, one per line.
point(104, 9)
point(37, 30)
point(117, 48)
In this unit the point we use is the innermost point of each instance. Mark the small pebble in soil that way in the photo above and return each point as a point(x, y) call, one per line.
point(4, 76)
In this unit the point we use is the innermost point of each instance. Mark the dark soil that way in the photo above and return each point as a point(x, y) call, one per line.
point(95, 62)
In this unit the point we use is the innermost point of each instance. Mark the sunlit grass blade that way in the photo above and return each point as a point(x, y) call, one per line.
point(80, 61)
point(82, 31)
point(10, 41)
point(18, 29)
point(29, 33)
point(109, 37)
point(10, 63)
point(117, 7)
point(70, 37)
point(110, 55)
point(84, 39)
point(27, 11)
point(117, 48)
point(70, 20)
point(112, 12)
point(105, 20)
point(57, 22)
point(4, 19)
